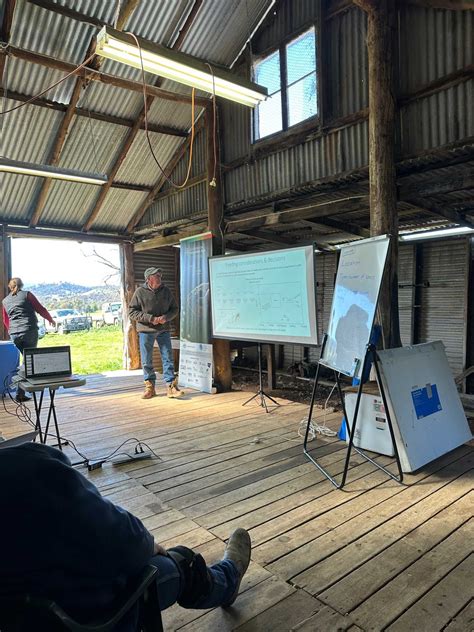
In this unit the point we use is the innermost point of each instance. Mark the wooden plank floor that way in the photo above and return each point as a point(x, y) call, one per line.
point(377, 556)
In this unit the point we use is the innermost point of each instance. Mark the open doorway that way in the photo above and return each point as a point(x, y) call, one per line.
point(79, 284)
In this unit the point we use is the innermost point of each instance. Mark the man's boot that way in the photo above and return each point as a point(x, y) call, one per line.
point(149, 391)
point(238, 551)
point(173, 389)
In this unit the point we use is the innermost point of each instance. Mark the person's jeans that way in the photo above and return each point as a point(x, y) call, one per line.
point(26, 340)
point(224, 582)
point(147, 340)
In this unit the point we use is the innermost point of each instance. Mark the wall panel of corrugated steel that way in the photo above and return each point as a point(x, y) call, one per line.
point(347, 80)
point(433, 43)
point(443, 305)
point(438, 119)
point(343, 150)
point(185, 204)
point(326, 265)
point(168, 260)
point(406, 293)
point(17, 195)
point(282, 20)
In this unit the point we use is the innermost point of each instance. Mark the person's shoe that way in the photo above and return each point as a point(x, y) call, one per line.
point(149, 391)
point(174, 390)
point(238, 551)
point(22, 397)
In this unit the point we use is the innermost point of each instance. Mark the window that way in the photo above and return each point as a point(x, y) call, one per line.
point(289, 74)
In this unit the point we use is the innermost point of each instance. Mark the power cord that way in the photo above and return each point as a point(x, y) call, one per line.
point(315, 428)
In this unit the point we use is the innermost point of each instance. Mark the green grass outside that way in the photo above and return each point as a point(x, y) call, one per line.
point(92, 351)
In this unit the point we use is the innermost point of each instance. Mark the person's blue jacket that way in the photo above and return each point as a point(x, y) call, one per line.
point(59, 538)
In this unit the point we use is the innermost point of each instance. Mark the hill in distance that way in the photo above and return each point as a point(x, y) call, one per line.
point(70, 295)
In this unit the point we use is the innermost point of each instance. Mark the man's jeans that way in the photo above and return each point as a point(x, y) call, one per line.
point(147, 340)
point(224, 581)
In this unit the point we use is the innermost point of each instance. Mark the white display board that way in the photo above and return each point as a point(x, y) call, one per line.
point(265, 296)
point(359, 277)
point(426, 411)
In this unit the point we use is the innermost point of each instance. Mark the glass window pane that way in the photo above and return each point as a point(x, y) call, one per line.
point(268, 116)
point(301, 56)
point(267, 73)
point(302, 102)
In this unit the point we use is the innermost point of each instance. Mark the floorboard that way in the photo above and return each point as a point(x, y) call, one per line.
point(376, 556)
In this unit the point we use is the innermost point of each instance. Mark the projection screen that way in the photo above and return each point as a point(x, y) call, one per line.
point(265, 296)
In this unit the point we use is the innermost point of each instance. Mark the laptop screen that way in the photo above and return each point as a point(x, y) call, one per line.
point(47, 361)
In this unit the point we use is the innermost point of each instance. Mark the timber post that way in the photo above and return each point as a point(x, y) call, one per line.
point(221, 348)
point(131, 354)
point(381, 25)
point(5, 273)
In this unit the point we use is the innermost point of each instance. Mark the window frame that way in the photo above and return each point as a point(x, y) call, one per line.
point(311, 121)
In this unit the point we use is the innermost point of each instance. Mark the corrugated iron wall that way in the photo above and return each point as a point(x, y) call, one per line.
point(190, 202)
point(442, 312)
point(433, 43)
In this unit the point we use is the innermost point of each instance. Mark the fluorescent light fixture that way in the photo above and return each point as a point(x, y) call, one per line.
point(177, 66)
point(47, 171)
point(436, 234)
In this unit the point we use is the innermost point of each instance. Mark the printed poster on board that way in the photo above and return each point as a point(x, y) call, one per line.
point(195, 358)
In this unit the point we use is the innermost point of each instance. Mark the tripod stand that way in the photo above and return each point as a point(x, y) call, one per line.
point(261, 393)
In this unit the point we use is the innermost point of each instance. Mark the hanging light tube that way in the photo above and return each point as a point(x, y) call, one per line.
point(178, 67)
point(47, 171)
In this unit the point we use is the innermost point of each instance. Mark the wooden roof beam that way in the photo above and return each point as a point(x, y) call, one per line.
point(340, 225)
point(274, 238)
point(452, 5)
point(90, 74)
point(62, 133)
point(133, 132)
point(97, 116)
point(5, 31)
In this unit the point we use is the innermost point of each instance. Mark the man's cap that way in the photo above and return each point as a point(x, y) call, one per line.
point(150, 271)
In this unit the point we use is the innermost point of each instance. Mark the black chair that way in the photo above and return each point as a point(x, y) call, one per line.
point(15, 612)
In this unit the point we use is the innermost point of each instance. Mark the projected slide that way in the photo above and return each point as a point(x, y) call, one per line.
point(268, 297)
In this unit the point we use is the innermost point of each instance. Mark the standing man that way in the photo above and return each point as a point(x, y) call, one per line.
point(152, 307)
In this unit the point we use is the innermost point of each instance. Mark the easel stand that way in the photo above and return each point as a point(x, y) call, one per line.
point(370, 353)
point(260, 394)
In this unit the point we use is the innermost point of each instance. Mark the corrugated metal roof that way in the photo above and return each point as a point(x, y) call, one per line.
point(139, 166)
point(92, 145)
point(18, 193)
point(68, 204)
point(119, 207)
point(28, 133)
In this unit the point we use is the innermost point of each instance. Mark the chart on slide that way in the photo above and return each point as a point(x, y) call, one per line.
point(264, 296)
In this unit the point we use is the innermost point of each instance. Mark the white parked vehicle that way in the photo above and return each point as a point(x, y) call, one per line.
point(68, 320)
point(112, 313)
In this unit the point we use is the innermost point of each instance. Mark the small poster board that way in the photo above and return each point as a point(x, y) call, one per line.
point(424, 404)
point(356, 292)
point(195, 365)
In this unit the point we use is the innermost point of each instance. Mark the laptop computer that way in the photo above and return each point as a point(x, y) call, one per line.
point(46, 365)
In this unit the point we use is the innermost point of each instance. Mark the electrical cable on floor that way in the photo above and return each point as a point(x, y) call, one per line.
point(315, 428)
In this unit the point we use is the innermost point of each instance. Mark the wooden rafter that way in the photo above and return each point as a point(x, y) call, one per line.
point(112, 80)
point(340, 225)
point(63, 130)
point(138, 123)
point(5, 31)
point(452, 5)
point(96, 116)
point(274, 238)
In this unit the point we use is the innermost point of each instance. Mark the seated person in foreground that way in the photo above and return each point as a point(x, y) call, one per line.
point(62, 541)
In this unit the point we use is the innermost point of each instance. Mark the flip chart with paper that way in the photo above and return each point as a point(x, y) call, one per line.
point(359, 277)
